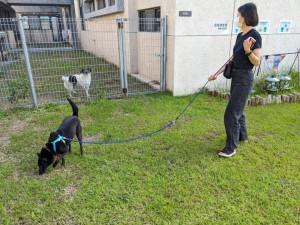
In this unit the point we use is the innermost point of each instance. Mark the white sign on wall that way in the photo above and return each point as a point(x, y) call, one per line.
point(263, 27)
point(285, 27)
point(220, 27)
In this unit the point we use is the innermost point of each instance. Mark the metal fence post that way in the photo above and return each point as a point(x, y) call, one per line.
point(120, 48)
point(163, 53)
point(125, 90)
point(27, 60)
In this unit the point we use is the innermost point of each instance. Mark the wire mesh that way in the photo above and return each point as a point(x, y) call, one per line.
point(143, 54)
point(62, 47)
point(14, 84)
point(71, 51)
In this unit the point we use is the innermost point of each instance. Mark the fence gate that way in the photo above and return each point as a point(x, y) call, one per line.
point(125, 56)
point(143, 50)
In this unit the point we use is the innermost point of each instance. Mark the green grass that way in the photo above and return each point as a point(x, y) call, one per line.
point(174, 177)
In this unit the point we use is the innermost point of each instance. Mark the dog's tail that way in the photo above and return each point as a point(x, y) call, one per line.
point(74, 107)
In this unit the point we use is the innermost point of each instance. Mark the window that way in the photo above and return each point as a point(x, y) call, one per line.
point(92, 6)
point(111, 2)
point(147, 22)
point(25, 22)
point(34, 23)
point(45, 23)
point(101, 4)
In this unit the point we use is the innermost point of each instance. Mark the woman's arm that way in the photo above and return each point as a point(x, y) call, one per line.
point(214, 76)
point(254, 57)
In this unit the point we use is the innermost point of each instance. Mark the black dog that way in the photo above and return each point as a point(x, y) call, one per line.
point(57, 147)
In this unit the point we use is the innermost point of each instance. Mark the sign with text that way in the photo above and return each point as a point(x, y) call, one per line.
point(185, 13)
point(220, 27)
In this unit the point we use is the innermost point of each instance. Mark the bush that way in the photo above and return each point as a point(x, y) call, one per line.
point(18, 89)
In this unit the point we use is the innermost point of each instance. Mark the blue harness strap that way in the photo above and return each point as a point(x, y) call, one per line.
point(60, 138)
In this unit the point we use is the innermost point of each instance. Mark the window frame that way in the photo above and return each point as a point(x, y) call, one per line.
point(91, 3)
point(43, 22)
point(149, 26)
point(110, 2)
point(103, 3)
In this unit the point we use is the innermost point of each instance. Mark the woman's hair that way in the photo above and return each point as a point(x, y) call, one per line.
point(249, 12)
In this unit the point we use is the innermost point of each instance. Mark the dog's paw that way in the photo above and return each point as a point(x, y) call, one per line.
point(55, 164)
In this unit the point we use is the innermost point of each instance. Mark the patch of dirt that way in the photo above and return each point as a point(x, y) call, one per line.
point(96, 137)
point(4, 157)
point(118, 113)
point(214, 132)
point(70, 191)
point(258, 137)
point(86, 121)
point(14, 126)
point(11, 126)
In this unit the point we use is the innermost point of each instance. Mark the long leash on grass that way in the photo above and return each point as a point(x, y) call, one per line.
point(145, 135)
point(151, 133)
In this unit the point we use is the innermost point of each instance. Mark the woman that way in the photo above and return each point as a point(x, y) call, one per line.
point(244, 59)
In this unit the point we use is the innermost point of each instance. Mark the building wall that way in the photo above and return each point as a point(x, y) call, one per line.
point(37, 9)
point(199, 54)
point(100, 38)
point(141, 47)
point(193, 52)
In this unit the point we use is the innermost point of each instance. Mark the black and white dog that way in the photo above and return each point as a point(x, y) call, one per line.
point(57, 146)
point(83, 79)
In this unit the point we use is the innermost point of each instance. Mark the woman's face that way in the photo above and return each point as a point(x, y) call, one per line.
point(241, 19)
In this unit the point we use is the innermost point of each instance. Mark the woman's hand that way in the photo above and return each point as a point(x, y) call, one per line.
point(248, 44)
point(213, 77)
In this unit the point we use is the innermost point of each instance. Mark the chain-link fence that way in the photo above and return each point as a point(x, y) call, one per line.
point(47, 59)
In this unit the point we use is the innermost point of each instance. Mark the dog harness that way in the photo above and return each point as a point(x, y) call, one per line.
point(60, 138)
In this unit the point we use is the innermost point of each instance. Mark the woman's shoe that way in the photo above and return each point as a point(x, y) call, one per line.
point(227, 153)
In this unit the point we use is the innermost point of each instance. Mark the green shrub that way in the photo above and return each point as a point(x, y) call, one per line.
point(18, 89)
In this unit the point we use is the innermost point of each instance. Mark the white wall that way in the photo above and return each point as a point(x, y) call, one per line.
point(193, 53)
point(198, 53)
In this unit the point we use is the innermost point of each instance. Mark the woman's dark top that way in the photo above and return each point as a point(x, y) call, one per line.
point(240, 60)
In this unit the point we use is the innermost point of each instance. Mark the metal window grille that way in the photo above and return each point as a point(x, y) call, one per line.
point(146, 22)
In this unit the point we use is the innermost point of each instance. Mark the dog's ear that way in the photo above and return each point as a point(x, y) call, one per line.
point(38, 154)
point(52, 136)
point(82, 70)
point(90, 70)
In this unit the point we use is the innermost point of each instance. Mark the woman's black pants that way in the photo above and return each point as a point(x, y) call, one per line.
point(234, 117)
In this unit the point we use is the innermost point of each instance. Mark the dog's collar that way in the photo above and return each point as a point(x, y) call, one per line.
point(55, 156)
point(60, 138)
